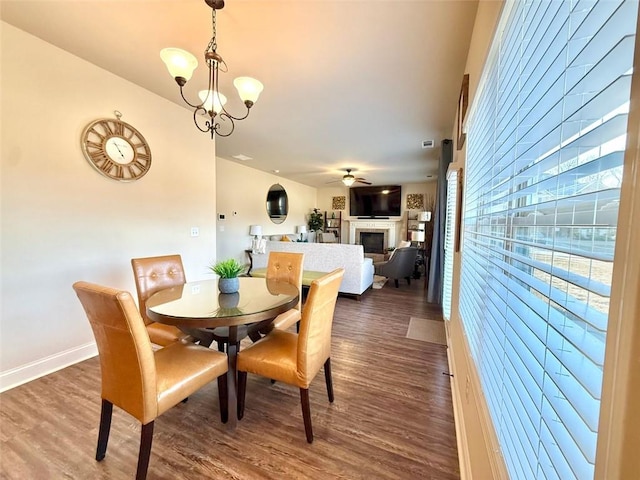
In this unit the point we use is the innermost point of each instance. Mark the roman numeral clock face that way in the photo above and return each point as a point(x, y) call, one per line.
point(116, 149)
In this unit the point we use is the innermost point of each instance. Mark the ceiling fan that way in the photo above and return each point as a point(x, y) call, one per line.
point(349, 179)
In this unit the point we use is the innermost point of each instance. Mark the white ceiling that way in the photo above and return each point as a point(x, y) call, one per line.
point(348, 84)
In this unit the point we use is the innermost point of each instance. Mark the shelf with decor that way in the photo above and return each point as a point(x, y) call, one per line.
point(418, 233)
point(417, 225)
point(333, 224)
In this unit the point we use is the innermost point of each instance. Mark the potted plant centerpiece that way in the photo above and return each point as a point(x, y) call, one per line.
point(228, 271)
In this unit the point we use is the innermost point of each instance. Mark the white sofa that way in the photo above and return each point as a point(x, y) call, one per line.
point(325, 257)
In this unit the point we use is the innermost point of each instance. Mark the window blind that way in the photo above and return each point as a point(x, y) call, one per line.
point(449, 239)
point(546, 136)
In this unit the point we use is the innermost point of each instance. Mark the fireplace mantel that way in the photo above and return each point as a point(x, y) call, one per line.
point(373, 224)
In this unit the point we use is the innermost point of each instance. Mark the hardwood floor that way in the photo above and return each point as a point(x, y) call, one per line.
point(392, 417)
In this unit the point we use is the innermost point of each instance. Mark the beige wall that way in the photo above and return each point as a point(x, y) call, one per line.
point(241, 198)
point(62, 221)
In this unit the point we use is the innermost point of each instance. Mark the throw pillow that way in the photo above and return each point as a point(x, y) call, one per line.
point(403, 244)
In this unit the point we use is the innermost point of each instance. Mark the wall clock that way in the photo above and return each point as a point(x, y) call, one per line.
point(116, 149)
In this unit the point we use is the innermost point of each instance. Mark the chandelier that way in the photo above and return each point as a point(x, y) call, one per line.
point(181, 65)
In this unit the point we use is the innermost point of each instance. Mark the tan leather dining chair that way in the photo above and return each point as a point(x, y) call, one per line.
point(296, 358)
point(287, 267)
point(151, 275)
point(136, 379)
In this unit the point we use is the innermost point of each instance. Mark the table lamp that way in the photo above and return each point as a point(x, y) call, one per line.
point(256, 231)
point(301, 229)
point(257, 243)
point(417, 236)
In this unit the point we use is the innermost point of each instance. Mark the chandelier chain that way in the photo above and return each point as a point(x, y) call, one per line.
point(213, 45)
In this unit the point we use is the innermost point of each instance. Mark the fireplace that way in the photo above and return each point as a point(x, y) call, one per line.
point(386, 227)
point(372, 242)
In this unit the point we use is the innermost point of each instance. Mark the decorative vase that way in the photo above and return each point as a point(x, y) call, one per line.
point(228, 300)
point(228, 285)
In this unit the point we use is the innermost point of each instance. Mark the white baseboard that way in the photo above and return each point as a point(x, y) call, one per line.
point(30, 371)
point(461, 437)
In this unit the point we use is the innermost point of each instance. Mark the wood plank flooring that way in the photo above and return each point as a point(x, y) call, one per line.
point(392, 417)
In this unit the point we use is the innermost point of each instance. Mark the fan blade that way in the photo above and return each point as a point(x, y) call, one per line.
point(362, 180)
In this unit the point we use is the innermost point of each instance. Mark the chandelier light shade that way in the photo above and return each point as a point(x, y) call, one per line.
point(212, 101)
point(181, 65)
point(248, 88)
point(348, 179)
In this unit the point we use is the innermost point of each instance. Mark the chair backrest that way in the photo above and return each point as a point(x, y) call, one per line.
point(127, 361)
point(286, 267)
point(402, 244)
point(403, 262)
point(314, 338)
point(153, 274)
point(327, 237)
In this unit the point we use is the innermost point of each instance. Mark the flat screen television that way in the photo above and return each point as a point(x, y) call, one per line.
point(378, 201)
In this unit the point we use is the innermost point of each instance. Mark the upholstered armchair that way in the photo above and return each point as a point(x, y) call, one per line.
point(400, 265)
point(136, 379)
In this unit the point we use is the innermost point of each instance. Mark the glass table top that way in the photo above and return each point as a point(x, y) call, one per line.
point(200, 304)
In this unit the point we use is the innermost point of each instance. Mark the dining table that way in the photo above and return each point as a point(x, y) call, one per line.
point(199, 305)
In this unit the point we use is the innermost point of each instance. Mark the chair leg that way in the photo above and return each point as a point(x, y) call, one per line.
point(255, 336)
point(408, 280)
point(306, 413)
point(223, 398)
point(328, 379)
point(395, 280)
point(105, 426)
point(204, 337)
point(242, 390)
point(223, 393)
point(146, 438)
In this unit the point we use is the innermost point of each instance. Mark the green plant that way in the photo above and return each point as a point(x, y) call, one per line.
point(316, 222)
point(227, 268)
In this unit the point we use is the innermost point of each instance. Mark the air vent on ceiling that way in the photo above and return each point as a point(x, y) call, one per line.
point(427, 143)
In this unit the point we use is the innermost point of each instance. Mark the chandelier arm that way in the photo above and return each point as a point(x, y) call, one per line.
point(224, 116)
point(196, 106)
point(195, 120)
point(231, 117)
